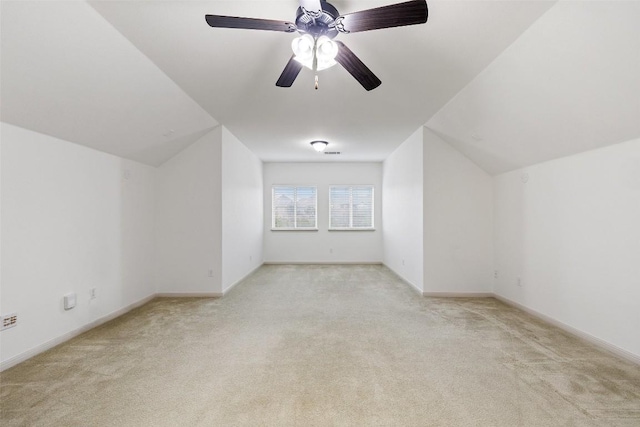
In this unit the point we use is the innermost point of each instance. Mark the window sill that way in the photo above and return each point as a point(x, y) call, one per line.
point(352, 229)
point(294, 229)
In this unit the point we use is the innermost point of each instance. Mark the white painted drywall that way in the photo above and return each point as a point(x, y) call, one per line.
point(568, 84)
point(323, 246)
point(402, 208)
point(571, 232)
point(72, 219)
point(69, 73)
point(189, 218)
point(458, 205)
point(242, 205)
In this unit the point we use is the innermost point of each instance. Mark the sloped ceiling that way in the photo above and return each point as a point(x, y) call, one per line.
point(67, 73)
point(232, 73)
point(509, 83)
point(570, 83)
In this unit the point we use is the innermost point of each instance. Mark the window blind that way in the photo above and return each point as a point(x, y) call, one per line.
point(293, 207)
point(351, 207)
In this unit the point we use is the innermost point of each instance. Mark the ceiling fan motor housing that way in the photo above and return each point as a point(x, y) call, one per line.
point(318, 24)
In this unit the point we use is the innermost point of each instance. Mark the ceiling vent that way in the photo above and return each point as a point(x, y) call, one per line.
point(331, 152)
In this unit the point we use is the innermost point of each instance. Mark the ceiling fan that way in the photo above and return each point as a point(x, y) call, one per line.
point(319, 23)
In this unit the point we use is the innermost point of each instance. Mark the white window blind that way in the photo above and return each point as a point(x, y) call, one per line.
point(293, 207)
point(351, 207)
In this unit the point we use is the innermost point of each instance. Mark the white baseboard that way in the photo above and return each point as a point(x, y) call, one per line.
point(228, 289)
point(408, 282)
point(71, 334)
point(458, 294)
point(323, 263)
point(598, 342)
point(74, 333)
point(189, 295)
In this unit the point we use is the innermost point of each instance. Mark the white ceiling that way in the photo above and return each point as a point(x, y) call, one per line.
point(67, 73)
point(509, 83)
point(570, 83)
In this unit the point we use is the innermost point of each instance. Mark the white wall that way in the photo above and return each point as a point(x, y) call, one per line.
point(72, 219)
point(242, 205)
point(572, 234)
point(458, 215)
point(402, 209)
point(209, 210)
point(189, 219)
point(316, 246)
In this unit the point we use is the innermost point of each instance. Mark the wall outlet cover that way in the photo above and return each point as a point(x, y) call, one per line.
point(69, 301)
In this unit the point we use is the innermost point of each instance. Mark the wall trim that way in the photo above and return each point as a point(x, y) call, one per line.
point(458, 294)
point(413, 285)
point(19, 358)
point(598, 342)
point(323, 263)
point(189, 295)
point(228, 289)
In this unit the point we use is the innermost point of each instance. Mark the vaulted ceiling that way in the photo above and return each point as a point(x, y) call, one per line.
point(509, 83)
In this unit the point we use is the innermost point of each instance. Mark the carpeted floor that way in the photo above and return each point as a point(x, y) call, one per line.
point(323, 346)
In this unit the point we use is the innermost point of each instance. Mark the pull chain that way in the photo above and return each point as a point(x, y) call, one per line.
point(315, 59)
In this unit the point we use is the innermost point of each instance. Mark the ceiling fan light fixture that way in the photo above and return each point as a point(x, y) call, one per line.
point(319, 146)
point(322, 65)
point(319, 22)
point(327, 49)
point(303, 47)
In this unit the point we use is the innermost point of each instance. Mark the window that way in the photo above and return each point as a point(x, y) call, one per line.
point(293, 208)
point(351, 207)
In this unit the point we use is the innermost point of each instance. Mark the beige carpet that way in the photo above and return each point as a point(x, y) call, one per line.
point(323, 345)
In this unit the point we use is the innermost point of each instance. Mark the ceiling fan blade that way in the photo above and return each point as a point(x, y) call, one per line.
point(356, 68)
point(311, 5)
point(220, 21)
point(395, 15)
point(290, 72)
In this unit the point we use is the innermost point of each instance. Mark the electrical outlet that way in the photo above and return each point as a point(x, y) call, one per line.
point(495, 274)
point(210, 273)
point(402, 262)
point(250, 258)
point(92, 293)
point(519, 281)
point(331, 250)
point(9, 321)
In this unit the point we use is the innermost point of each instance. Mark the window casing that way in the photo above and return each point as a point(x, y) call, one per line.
point(294, 207)
point(351, 207)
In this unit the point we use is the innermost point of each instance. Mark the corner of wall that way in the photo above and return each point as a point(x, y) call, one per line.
point(188, 212)
point(241, 205)
point(402, 210)
point(458, 221)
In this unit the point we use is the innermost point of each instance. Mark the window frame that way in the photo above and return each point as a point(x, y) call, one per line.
point(351, 227)
point(295, 208)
